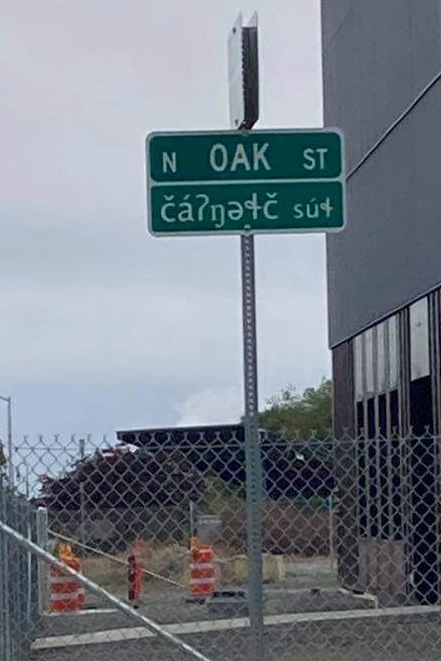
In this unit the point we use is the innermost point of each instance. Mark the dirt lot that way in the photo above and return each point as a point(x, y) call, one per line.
point(172, 562)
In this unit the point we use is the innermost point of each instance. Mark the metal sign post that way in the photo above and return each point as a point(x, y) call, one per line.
point(243, 64)
point(245, 182)
point(252, 450)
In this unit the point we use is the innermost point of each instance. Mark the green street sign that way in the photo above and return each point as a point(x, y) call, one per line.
point(228, 182)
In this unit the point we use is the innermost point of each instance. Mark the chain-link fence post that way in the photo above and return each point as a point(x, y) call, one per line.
point(34, 613)
point(5, 621)
point(192, 521)
point(82, 443)
point(331, 504)
point(43, 542)
point(13, 572)
point(2, 580)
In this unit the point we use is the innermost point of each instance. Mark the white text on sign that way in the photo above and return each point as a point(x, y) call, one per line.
point(253, 159)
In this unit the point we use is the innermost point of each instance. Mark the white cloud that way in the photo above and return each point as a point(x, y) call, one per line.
point(212, 406)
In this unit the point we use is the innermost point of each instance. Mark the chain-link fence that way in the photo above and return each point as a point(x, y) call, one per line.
point(350, 546)
point(19, 616)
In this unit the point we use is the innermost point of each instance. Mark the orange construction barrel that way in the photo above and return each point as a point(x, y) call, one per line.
point(67, 594)
point(202, 572)
point(65, 589)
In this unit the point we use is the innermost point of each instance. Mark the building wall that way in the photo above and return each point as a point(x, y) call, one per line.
point(377, 58)
point(381, 64)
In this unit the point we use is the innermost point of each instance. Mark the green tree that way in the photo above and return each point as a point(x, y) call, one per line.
point(294, 414)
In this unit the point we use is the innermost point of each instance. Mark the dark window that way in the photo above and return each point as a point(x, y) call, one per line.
point(421, 417)
point(394, 414)
point(360, 418)
point(382, 406)
point(371, 418)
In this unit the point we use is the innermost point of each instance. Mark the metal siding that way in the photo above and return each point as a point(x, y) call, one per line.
point(378, 56)
point(389, 253)
point(383, 55)
point(333, 15)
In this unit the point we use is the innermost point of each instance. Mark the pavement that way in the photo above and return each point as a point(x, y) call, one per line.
point(307, 618)
point(299, 626)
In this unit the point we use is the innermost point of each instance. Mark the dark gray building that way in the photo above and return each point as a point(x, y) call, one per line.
point(382, 86)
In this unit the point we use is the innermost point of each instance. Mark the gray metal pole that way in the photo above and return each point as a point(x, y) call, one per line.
point(252, 451)
point(151, 625)
point(82, 503)
point(250, 86)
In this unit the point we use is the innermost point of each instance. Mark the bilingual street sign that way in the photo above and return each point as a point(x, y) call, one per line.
point(230, 182)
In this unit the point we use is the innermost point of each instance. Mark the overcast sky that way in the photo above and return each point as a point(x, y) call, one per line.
point(104, 327)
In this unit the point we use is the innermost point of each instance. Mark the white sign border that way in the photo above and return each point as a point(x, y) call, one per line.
point(151, 183)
